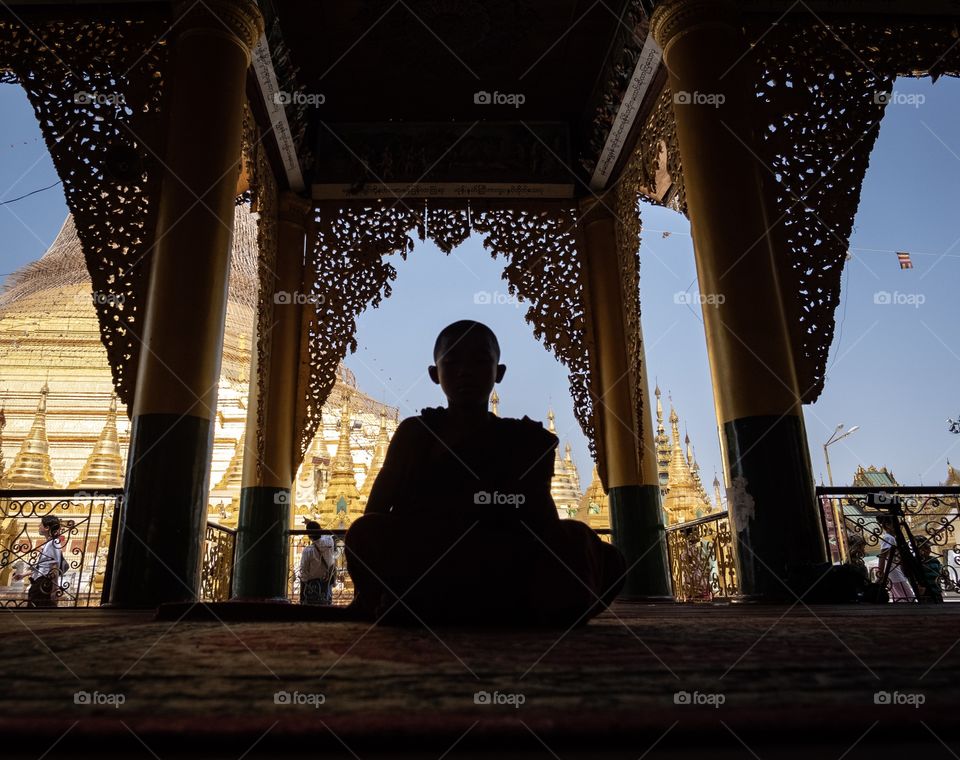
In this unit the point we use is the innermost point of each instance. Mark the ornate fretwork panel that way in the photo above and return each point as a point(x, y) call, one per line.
point(628, 259)
point(543, 269)
point(97, 89)
point(821, 92)
point(347, 270)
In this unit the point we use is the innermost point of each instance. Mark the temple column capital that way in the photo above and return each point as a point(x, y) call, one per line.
point(672, 19)
point(237, 20)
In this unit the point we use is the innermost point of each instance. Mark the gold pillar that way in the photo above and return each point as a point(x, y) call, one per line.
point(160, 544)
point(631, 470)
point(281, 365)
point(271, 455)
point(712, 76)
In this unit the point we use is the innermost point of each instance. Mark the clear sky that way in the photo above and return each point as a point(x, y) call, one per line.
point(894, 368)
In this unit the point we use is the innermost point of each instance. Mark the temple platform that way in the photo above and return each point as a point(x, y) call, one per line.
point(673, 680)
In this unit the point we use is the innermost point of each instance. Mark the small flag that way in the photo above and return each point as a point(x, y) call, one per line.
point(666, 234)
point(904, 259)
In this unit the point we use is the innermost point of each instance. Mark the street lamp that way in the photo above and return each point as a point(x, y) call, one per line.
point(832, 440)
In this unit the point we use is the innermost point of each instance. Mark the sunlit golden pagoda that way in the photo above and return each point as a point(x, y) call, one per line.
point(379, 455)
point(594, 504)
point(684, 497)
point(565, 486)
point(61, 423)
point(342, 498)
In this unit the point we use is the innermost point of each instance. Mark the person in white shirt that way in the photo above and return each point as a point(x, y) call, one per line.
point(45, 574)
point(318, 567)
point(900, 588)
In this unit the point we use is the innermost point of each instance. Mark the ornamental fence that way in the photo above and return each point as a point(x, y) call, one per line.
point(702, 565)
point(922, 541)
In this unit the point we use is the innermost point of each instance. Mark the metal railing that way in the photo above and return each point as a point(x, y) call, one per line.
point(216, 577)
point(702, 565)
point(86, 519)
point(925, 522)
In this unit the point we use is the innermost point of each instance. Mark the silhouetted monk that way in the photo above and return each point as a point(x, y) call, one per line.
point(460, 524)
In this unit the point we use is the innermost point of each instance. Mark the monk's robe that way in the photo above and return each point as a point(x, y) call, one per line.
point(461, 527)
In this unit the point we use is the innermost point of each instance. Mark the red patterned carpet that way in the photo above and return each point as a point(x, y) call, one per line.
point(759, 681)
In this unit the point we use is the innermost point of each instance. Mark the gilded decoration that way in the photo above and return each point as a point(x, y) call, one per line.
point(97, 88)
point(263, 191)
point(821, 92)
point(347, 264)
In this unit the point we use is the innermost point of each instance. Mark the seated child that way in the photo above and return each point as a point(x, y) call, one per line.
point(460, 524)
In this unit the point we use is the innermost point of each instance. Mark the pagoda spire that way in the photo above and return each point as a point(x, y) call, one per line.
point(31, 467)
point(342, 493)
point(232, 480)
point(104, 466)
point(716, 491)
point(495, 403)
point(379, 455)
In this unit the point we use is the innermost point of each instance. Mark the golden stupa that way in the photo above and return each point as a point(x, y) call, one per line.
point(60, 425)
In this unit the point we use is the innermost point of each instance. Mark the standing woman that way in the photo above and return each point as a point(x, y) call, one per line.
point(318, 567)
point(45, 577)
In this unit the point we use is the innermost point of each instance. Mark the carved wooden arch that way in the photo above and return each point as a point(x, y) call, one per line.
point(349, 268)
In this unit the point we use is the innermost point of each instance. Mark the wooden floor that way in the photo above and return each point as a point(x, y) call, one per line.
point(743, 681)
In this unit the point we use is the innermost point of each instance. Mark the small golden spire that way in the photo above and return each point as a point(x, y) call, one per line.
point(551, 426)
point(379, 455)
point(104, 466)
point(342, 493)
point(31, 467)
point(495, 403)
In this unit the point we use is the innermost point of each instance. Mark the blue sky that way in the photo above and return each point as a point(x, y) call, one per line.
point(894, 367)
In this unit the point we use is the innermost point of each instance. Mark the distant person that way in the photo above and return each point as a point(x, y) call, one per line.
point(318, 567)
point(891, 563)
point(49, 568)
point(932, 571)
point(460, 526)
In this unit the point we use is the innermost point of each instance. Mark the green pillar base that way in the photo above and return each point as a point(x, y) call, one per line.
point(774, 514)
point(637, 525)
point(159, 545)
point(261, 559)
